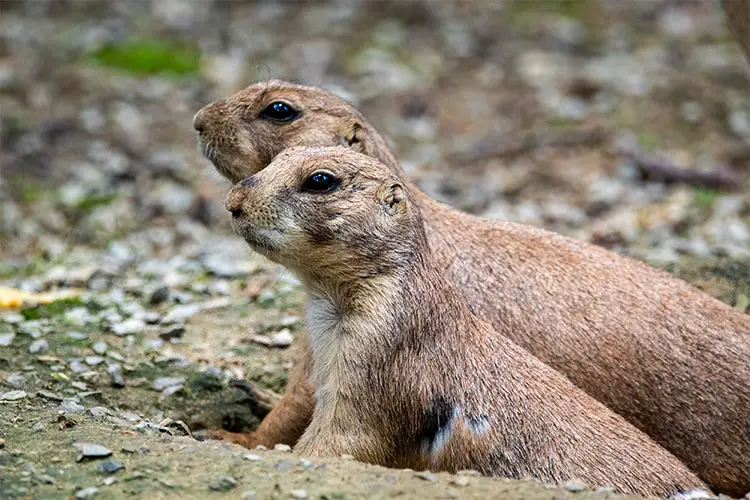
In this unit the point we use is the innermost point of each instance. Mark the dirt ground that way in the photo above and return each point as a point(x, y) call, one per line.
point(556, 114)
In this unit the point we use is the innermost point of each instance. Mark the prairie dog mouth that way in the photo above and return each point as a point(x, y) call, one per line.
point(263, 239)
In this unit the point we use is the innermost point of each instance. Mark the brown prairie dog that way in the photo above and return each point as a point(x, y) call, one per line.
point(406, 376)
point(667, 357)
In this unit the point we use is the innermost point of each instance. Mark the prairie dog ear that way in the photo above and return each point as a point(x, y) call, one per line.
point(393, 198)
point(353, 137)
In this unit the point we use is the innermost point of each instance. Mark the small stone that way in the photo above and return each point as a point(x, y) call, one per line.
point(426, 475)
point(45, 478)
point(91, 450)
point(306, 464)
point(282, 339)
point(179, 314)
point(70, 407)
point(76, 336)
point(160, 295)
point(13, 396)
point(285, 466)
point(346, 456)
point(260, 447)
point(49, 395)
point(574, 486)
point(282, 447)
point(163, 382)
point(129, 448)
point(13, 318)
point(85, 493)
point(249, 495)
point(172, 332)
point(38, 427)
point(93, 360)
point(225, 483)
point(100, 412)
point(251, 457)
point(299, 493)
point(77, 366)
point(460, 481)
point(80, 386)
point(6, 339)
point(173, 389)
point(100, 347)
point(129, 327)
point(40, 346)
point(115, 371)
point(2, 443)
point(109, 480)
point(15, 380)
point(110, 466)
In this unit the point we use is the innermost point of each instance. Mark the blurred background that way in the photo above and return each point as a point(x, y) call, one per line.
point(622, 123)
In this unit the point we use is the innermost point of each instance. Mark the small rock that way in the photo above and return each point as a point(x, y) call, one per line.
point(15, 380)
point(38, 427)
point(225, 483)
point(129, 327)
point(460, 480)
point(99, 412)
point(80, 386)
point(2, 443)
point(163, 382)
point(172, 332)
point(91, 450)
point(45, 478)
point(285, 466)
point(85, 493)
point(77, 366)
point(426, 475)
point(70, 407)
point(249, 495)
point(13, 396)
point(299, 493)
point(574, 486)
point(76, 335)
point(251, 457)
point(49, 395)
point(6, 339)
point(110, 466)
point(129, 448)
point(179, 314)
point(109, 480)
point(115, 371)
point(346, 456)
point(282, 447)
point(40, 346)
point(93, 360)
point(160, 295)
point(13, 318)
point(282, 339)
point(173, 389)
point(100, 347)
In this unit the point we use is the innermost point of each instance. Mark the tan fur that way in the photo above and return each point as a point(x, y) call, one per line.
point(667, 357)
point(738, 18)
point(406, 376)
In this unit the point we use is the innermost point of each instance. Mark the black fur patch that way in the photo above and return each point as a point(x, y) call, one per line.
point(434, 419)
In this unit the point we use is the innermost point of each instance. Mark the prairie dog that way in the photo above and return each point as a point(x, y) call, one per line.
point(669, 358)
point(406, 376)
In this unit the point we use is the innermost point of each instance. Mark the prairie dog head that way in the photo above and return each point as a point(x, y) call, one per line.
point(241, 135)
point(328, 213)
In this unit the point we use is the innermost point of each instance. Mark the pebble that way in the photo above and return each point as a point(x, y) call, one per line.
point(49, 395)
point(249, 495)
point(574, 486)
point(172, 332)
point(426, 475)
point(70, 407)
point(160, 295)
point(110, 466)
point(45, 478)
point(38, 427)
point(93, 360)
point(174, 389)
point(6, 339)
point(13, 396)
point(40, 346)
point(282, 447)
point(282, 339)
point(163, 382)
point(460, 481)
point(100, 347)
point(179, 314)
point(15, 380)
point(251, 457)
point(76, 336)
point(299, 493)
point(91, 450)
point(129, 327)
point(99, 412)
point(225, 483)
point(285, 466)
point(13, 318)
point(115, 372)
point(85, 493)
point(109, 481)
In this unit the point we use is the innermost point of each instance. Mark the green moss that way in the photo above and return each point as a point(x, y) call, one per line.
point(55, 308)
point(147, 57)
point(705, 197)
point(89, 204)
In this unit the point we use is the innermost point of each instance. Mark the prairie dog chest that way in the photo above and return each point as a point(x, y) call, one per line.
point(325, 329)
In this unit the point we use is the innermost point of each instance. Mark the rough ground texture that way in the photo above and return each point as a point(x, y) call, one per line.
point(558, 114)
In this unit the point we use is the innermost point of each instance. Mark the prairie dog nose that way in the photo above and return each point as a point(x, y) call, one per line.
point(199, 119)
point(238, 196)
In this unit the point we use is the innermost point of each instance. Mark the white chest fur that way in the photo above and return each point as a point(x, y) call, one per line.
point(324, 327)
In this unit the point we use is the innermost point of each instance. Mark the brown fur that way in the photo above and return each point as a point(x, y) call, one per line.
point(667, 357)
point(406, 375)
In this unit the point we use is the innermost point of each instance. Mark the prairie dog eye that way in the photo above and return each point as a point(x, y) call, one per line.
point(279, 111)
point(321, 181)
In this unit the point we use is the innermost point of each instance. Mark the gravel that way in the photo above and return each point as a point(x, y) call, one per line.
point(91, 450)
